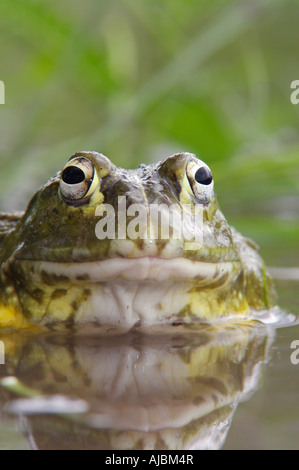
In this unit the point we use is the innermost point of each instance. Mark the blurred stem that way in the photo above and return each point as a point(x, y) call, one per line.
point(231, 22)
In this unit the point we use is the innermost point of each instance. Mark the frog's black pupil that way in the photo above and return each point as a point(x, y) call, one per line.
point(73, 175)
point(203, 176)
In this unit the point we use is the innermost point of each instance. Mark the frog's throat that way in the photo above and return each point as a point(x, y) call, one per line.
point(140, 269)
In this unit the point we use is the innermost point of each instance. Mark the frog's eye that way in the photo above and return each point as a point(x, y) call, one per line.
point(78, 180)
point(201, 181)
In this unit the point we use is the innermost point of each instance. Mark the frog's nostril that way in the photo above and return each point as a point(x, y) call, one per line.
point(73, 175)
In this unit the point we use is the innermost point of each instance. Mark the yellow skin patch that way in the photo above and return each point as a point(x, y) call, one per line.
point(12, 318)
point(54, 269)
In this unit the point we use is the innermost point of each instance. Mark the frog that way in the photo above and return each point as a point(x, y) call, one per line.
point(79, 255)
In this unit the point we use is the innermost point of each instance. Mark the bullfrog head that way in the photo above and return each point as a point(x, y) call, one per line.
point(121, 247)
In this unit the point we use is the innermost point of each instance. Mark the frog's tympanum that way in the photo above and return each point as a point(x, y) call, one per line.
point(103, 245)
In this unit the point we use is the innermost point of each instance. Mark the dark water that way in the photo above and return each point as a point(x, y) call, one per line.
point(229, 386)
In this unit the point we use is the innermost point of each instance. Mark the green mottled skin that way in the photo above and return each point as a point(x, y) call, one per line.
point(55, 231)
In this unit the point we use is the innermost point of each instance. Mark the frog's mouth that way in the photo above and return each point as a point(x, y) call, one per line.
point(142, 269)
point(123, 291)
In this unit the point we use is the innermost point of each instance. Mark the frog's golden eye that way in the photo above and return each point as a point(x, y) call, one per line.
point(201, 180)
point(78, 180)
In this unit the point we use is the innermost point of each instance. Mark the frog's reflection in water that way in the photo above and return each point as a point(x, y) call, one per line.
point(172, 389)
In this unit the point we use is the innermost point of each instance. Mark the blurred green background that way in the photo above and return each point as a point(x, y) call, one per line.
point(139, 80)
